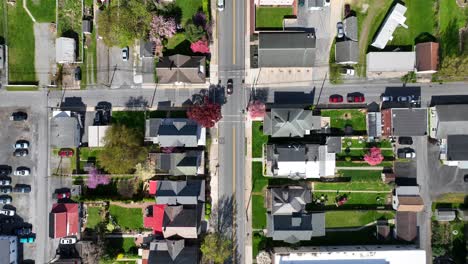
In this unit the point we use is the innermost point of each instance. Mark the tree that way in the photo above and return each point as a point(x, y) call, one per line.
point(263, 258)
point(122, 151)
point(374, 156)
point(216, 248)
point(257, 109)
point(145, 170)
point(194, 32)
point(206, 114)
point(120, 25)
point(162, 27)
point(95, 179)
point(201, 46)
point(438, 251)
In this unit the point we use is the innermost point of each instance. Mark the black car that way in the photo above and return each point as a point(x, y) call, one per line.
point(22, 188)
point(5, 170)
point(22, 231)
point(19, 116)
point(5, 189)
point(230, 86)
point(78, 73)
point(405, 140)
point(21, 152)
point(5, 199)
point(106, 106)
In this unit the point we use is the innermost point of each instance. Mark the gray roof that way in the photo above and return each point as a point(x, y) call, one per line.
point(180, 192)
point(181, 68)
point(290, 122)
point(409, 122)
point(147, 49)
point(5, 249)
point(445, 215)
point(350, 25)
point(315, 3)
point(286, 49)
point(401, 61)
point(457, 147)
point(295, 228)
point(172, 252)
point(87, 26)
point(179, 163)
point(347, 52)
point(288, 200)
point(452, 120)
point(173, 132)
point(374, 124)
point(334, 144)
point(65, 132)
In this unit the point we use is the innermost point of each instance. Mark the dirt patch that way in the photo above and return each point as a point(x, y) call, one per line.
point(347, 116)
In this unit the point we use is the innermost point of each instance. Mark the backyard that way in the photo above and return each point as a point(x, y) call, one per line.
point(271, 17)
point(127, 218)
point(42, 10)
point(69, 23)
point(449, 239)
point(258, 139)
point(451, 18)
point(125, 246)
point(94, 217)
point(346, 219)
point(355, 200)
point(339, 119)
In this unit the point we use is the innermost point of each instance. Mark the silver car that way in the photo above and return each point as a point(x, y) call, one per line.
point(340, 30)
point(22, 171)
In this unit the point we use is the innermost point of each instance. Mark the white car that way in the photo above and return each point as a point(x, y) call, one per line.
point(125, 54)
point(22, 171)
point(7, 212)
point(340, 30)
point(387, 98)
point(410, 155)
point(21, 144)
point(68, 240)
point(347, 71)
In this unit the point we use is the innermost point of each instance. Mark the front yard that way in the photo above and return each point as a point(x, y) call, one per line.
point(69, 23)
point(42, 10)
point(258, 139)
point(258, 212)
point(339, 119)
point(271, 17)
point(346, 219)
point(449, 239)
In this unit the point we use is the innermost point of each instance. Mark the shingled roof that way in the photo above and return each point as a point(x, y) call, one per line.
point(290, 122)
point(181, 68)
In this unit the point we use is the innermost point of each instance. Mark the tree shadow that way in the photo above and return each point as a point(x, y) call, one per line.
point(182, 48)
point(174, 11)
point(450, 39)
point(260, 94)
point(137, 102)
point(425, 37)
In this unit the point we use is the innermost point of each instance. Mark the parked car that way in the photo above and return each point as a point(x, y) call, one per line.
point(386, 98)
point(230, 87)
point(125, 54)
point(5, 199)
point(22, 188)
point(22, 171)
point(356, 98)
point(340, 29)
point(7, 212)
point(66, 153)
point(78, 73)
point(335, 98)
point(5, 170)
point(406, 153)
point(347, 71)
point(405, 140)
point(5, 189)
point(5, 181)
point(403, 99)
point(62, 195)
point(22, 144)
point(68, 240)
point(8, 221)
point(21, 152)
point(19, 116)
point(22, 231)
point(26, 240)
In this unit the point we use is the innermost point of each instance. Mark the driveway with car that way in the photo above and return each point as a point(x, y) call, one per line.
point(120, 69)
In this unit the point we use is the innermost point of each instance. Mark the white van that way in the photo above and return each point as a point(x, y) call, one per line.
point(220, 5)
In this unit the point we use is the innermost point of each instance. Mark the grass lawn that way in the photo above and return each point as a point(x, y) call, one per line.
point(362, 175)
point(355, 200)
point(341, 118)
point(189, 8)
point(127, 218)
point(364, 180)
point(451, 19)
point(271, 17)
point(86, 153)
point(177, 45)
point(173, 42)
point(337, 219)
point(125, 245)
point(362, 164)
point(132, 119)
point(443, 236)
point(258, 181)
point(42, 10)
point(94, 217)
point(89, 57)
point(256, 244)
point(258, 212)
point(2, 22)
point(69, 22)
point(22, 88)
point(362, 152)
point(258, 139)
point(356, 143)
point(452, 198)
point(21, 46)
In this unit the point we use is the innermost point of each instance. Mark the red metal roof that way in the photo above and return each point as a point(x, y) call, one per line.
point(153, 185)
point(155, 221)
point(66, 219)
point(427, 56)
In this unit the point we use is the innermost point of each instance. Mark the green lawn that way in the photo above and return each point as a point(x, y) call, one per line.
point(271, 17)
point(125, 245)
point(258, 181)
point(362, 175)
point(361, 152)
point(363, 180)
point(337, 219)
point(189, 8)
point(258, 212)
point(89, 57)
point(42, 10)
point(22, 88)
point(443, 236)
point(21, 46)
point(127, 218)
point(86, 153)
point(362, 164)
point(355, 200)
point(356, 143)
point(451, 19)
point(69, 22)
point(2, 22)
point(131, 119)
point(175, 41)
point(94, 217)
point(341, 118)
point(177, 45)
point(258, 139)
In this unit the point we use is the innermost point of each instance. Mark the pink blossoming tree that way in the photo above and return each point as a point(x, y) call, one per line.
point(201, 46)
point(95, 179)
point(161, 28)
point(256, 109)
point(374, 156)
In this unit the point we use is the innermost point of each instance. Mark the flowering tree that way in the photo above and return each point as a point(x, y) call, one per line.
point(201, 46)
point(256, 109)
point(160, 28)
point(206, 114)
point(95, 179)
point(374, 156)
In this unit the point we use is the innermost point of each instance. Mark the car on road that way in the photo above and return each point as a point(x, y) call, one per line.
point(403, 99)
point(22, 188)
point(78, 73)
point(220, 5)
point(405, 140)
point(26, 240)
point(355, 98)
point(19, 116)
point(62, 195)
point(5, 199)
point(66, 152)
point(386, 98)
point(125, 53)
point(339, 30)
point(7, 212)
point(335, 98)
point(347, 71)
point(230, 87)
point(22, 171)
point(68, 240)
point(23, 231)
point(5, 170)
point(5, 181)
point(406, 153)
point(5, 189)
point(21, 144)
point(21, 152)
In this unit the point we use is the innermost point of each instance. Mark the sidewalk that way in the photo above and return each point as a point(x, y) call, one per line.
point(213, 167)
point(360, 168)
point(248, 191)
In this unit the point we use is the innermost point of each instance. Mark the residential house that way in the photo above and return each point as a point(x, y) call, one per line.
point(174, 220)
point(347, 52)
point(406, 226)
point(286, 217)
point(374, 124)
point(96, 136)
point(9, 249)
point(445, 215)
point(427, 57)
point(170, 251)
point(370, 254)
point(404, 122)
point(65, 130)
point(395, 18)
point(299, 161)
point(65, 50)
point(178, 164)
point(454, 151)
point(350, 27)
point(407, 199)
point(394, 64)
point(290, 122)
point(449, 120)
point(64, 220)
point(286, 49)
point(175, 132)
point(180, 69)
point(178, 192)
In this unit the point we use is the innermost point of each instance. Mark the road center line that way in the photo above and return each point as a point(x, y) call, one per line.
point(233, 31)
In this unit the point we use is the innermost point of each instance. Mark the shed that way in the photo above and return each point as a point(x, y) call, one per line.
point(65, 50)
point(96, 135)
point(445, 215)
point(87, 26)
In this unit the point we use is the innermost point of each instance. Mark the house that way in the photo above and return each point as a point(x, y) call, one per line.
point(374, 124)
point(404, 122)
point(290, 122)
point(297, 161)
point(96, 136)
point(286, 49)
point(87, 26)
point(395, 18)
point(179, 192)
point(170, 251)
point(406, 226)
point(350, 27)
point(347, 52)
point(286, 217)
point(178, 164)
point(174, 132)
point(9, 249)
point(383, 229)
point(407, 199)
point(449, 120)
point(369, 254)
point(180, 69)
point(65, 50)
point(64, 220)
point(402, 62)
point(427, 57)
point(443, 215)
point(174, 220)
point(454, 151)
point(65, 130)
point(276, 2)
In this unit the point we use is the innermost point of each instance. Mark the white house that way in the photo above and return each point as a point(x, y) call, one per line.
point(392, 21)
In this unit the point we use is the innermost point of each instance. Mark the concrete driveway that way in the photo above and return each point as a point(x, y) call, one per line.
point(120, 71)
point(44, 52)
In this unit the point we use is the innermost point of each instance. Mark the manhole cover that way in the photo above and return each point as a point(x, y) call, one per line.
point(221, 140)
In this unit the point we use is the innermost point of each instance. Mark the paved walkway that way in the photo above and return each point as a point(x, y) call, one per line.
point(126, 235)
point(257, 159)
point(360, 168)
point(354, 191)
point(248, 190)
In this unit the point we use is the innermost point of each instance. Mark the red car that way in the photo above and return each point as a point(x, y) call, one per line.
point(336, 98)
point(66, 153)
point(356, 98)
point(62, 195)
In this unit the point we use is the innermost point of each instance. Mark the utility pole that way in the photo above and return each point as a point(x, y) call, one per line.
point(321, 89)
